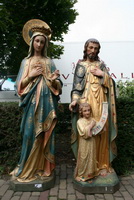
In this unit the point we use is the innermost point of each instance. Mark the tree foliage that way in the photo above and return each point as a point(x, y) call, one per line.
point(59, 14)
point(125, 89)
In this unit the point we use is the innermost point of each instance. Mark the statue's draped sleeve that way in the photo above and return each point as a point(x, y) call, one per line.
point(78, 82)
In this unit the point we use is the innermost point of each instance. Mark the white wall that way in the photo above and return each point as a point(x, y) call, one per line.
point(118, 57)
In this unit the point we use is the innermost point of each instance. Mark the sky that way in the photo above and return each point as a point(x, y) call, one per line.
point(105, 20)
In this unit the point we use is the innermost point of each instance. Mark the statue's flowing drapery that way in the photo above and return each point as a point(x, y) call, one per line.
point(39, 100)
point(86, 167)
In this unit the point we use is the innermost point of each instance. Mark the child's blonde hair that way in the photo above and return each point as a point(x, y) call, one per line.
point(81, 106)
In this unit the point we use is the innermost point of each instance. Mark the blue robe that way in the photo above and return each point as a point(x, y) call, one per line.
point(39, 100)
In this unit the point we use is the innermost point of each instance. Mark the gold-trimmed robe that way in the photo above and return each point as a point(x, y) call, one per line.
point(95, 90)
point(39, 98)
point(86, 167)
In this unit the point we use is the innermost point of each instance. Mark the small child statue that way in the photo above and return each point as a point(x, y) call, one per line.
point(86, 167)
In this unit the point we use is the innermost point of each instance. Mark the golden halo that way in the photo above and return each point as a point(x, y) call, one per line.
point(27, 32)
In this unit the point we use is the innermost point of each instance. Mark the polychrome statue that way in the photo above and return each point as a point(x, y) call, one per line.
point(38, 86)
point(93, 85)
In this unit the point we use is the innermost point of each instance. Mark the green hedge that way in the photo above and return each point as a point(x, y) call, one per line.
point(10, 139)
point(125, 139)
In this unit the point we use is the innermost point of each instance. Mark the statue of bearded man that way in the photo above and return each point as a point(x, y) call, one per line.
point(92, 84)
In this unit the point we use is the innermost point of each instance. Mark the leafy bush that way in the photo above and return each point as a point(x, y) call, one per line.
point(10, 139)
point(125, 139)
point(125, 89)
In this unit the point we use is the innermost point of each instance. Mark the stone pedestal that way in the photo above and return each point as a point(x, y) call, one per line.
point(37, 185)
point(101, 184)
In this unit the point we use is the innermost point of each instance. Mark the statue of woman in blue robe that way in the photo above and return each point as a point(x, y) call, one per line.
point(38, 86)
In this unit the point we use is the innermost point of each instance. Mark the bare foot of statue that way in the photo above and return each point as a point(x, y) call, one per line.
point(103, 172)
point(45, 174)
point(90, 181)
point(111, 170)
point(78, 178)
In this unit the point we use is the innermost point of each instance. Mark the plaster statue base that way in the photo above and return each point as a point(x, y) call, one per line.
point(101, 184)
point(37, 185)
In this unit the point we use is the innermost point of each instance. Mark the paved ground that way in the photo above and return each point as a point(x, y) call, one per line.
point(63, 189)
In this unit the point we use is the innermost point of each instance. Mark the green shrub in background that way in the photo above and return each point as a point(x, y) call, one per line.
point(125, 89)
point(125, 121)
point(124, 161)
point(10, 139)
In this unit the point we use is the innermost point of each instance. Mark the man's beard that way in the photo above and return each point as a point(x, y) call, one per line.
point(92, 56)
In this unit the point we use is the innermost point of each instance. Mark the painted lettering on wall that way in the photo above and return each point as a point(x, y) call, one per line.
point(113, 75)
